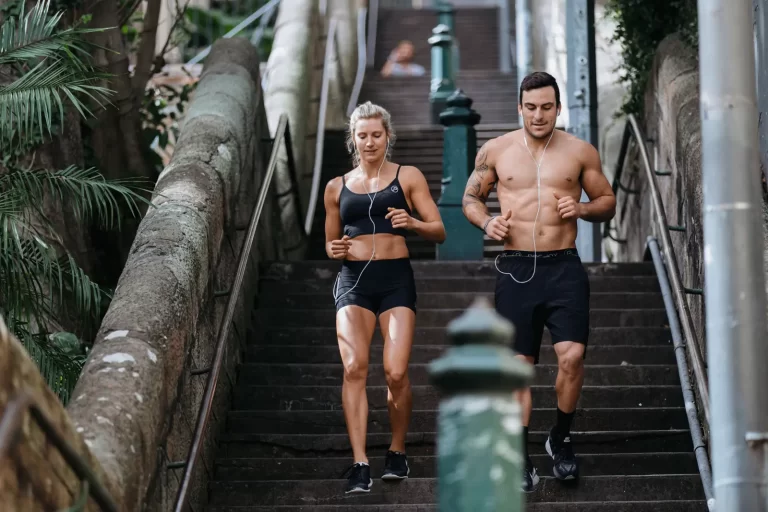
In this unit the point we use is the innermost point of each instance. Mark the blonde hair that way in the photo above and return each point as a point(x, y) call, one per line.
point(369, 110)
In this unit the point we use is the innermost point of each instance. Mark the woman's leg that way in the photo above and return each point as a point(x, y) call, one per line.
point(397, 327)
point(354, 329)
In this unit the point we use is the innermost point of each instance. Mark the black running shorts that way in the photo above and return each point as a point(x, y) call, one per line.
point(557, 297)
point(385, 284)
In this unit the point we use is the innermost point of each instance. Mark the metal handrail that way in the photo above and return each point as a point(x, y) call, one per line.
point(331, 49)
point(267, 8)
point(282, 134)
point(693, 347)
point(354, 95)
point(689, 399)
point(11, 424)
point(373, 21)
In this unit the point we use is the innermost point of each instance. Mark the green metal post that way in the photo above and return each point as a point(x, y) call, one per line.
point(442, 84)
point(464, 241)
point(480, 461)
point(446, 15)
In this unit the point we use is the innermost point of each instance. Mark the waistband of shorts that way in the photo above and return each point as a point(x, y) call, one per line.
point(559, 254)
point(393, 265)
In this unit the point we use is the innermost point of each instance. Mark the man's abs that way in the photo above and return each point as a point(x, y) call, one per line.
point(552, 232)
point(548, 237)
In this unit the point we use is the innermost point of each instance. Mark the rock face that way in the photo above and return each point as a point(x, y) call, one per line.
point(137, 400)
point(33, 472)
point(673, 125)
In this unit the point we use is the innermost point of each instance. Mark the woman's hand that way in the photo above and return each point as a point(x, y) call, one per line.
point(400, 218)
point(340, 248)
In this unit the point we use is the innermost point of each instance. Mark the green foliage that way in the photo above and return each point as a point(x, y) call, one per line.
point(640, 27)
point(161, 110)
point(43, 286)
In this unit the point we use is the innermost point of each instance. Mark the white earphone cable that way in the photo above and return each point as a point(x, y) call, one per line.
point(370, 217)
point(538, 209)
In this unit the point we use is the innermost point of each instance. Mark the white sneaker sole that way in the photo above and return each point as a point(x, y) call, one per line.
point(358, 490)
point(390, 476)
point(554, 469)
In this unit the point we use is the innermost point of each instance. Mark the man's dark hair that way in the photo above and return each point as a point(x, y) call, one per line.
point(539, 80)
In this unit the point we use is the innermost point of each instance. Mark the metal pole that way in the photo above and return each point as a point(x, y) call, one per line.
point(523, 41)
point(761, 46)
point(582, 102)
point(733, 255)
point(505, 57)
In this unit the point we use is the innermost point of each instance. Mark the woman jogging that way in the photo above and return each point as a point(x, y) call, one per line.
point(368, 213)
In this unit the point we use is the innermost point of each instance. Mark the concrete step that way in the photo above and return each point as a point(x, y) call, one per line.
point(310, 446)
point(583, 506)
point(602, 355)
point(297, 335)
point(332, 422)
point(323, 398)
point(425, 466)
point(424, 490)
point(266, 374)
point(327, 269)
point(464, 300)
point(269, 317)
point(598, 284)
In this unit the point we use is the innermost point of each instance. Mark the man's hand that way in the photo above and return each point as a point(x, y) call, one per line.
point(400, 218)
point(568, 207)
point(340, 248)
point(498, 227)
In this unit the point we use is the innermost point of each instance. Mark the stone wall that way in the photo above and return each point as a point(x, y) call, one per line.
point(673, 126)
point(137, 400)
point(34, 475)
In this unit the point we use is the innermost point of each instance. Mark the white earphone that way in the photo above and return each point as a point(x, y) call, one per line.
point(538, 209)
point(370, 217)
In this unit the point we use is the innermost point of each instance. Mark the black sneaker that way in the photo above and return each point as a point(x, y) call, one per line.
point(530, 476)
point(395, 466)
point(358, 478)
point(566, 467)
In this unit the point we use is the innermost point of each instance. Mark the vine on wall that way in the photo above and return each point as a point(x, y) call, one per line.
point(640, 27)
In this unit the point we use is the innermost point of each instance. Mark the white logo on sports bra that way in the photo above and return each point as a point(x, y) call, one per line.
point(394, 189)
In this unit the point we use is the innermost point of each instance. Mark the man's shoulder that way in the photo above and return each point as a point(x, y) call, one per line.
point(497, 145)
point(575, 145)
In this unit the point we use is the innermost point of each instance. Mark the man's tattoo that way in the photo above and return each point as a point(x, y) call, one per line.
point(480, 166)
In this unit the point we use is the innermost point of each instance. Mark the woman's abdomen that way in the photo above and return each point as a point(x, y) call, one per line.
point(388, 247)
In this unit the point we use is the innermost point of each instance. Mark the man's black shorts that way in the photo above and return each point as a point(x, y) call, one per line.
point(557, 296)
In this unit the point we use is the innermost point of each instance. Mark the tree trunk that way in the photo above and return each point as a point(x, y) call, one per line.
point(116, 139)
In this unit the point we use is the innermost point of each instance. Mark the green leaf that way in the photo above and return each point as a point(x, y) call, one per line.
point(86, 192)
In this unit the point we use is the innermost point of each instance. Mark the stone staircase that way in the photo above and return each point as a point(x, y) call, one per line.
point(285, 445)
point(493, 93)
point(476, 31)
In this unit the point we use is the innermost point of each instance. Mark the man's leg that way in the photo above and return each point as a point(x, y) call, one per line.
point(568, 323)
point(570, 378)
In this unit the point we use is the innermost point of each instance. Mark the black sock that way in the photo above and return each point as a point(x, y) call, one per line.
point(525, 444)
point(563, 425)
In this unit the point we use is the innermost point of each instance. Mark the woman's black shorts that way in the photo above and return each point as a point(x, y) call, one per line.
point(385, 284)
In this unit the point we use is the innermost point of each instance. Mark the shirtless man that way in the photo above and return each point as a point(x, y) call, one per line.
point(539, 173)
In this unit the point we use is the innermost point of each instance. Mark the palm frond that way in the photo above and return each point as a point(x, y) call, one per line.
point(35, 36)
point(85, 191)
point(59, 367)
point(40, 287)
point(35, 95)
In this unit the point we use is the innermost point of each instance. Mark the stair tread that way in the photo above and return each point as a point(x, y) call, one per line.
point(423, 490)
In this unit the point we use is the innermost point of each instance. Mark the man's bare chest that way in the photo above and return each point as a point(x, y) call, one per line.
point(517, 170)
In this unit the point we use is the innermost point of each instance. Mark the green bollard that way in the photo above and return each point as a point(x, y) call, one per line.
point(442, 84)
point(446, 15)
point(480, 463)
point(464, 241)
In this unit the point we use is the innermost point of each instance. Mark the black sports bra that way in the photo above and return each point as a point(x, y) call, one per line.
point(354, 207)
